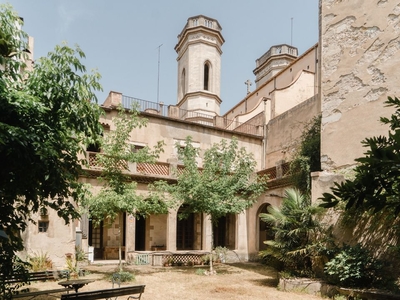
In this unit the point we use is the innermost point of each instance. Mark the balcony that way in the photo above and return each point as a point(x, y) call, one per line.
point(172, 111)
point(278, 176)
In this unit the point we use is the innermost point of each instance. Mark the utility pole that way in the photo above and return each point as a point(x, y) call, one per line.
point(158, 76)
point(291, 31)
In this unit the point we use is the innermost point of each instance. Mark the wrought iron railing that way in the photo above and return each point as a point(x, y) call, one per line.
point(190, 116)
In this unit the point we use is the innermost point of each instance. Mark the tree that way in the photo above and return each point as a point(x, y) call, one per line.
point(295, 227)
point(47, 117)
point(226, 183)
point(118, 194)
point(377, 175)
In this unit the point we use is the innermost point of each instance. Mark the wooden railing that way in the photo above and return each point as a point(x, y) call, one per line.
point(279, 172)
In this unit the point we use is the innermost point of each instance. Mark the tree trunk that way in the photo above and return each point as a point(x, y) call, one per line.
point(212, 272)
point(120, 244)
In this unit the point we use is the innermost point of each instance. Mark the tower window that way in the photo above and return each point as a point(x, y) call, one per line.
point(206, 76)
point(195, 22)
point(183, 82)
point(208, 23)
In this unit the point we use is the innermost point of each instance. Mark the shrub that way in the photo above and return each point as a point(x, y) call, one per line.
point(220, 254)
point(353, 266)
point(124, 276)
point(40, 262)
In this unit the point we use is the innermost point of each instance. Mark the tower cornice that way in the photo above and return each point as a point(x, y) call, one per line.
point(200, 28)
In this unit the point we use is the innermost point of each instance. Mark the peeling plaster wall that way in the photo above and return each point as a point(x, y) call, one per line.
point(360, 55)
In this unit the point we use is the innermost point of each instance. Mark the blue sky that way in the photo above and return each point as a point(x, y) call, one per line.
point(121, 38)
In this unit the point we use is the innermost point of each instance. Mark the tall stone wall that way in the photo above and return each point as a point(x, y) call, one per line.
point(359, 55)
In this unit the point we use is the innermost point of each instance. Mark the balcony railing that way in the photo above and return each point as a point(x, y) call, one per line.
point(190, 116)
point(280, 173)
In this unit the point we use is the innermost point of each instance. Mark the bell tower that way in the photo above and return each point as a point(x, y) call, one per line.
point(199, 66)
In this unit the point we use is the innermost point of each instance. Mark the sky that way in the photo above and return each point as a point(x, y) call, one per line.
point(131, 42)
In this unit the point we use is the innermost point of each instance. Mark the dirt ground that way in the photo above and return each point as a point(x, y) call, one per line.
point(243, 281)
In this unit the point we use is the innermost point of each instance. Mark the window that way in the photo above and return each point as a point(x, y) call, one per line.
point(43, 226)
point(206, 76)
point(195, 22)
point(183, 82)
point(208, 23)
point(136, 148)
point(93, 148)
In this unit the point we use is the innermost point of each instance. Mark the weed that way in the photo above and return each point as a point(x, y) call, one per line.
point(199, 272)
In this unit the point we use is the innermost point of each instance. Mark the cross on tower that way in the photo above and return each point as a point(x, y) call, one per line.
point(248, 83)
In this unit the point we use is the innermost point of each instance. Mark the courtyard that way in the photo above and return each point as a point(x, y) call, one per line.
point(233, 281)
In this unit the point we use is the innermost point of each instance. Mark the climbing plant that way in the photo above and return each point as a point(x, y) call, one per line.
point(307, 157)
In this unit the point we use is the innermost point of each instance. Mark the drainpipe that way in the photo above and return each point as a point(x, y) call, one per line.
point(264, 152)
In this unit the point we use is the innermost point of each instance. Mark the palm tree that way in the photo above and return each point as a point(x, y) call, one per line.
point(296, 226)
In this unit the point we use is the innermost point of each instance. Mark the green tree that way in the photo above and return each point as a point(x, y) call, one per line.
point(226, 183)
point(377, 175)
point(296, 227)
point(47, 117)
point(118, 194)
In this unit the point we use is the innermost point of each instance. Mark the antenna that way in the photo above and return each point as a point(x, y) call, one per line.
point(291, 31)
point(158, 76)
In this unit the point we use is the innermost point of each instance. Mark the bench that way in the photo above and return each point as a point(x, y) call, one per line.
point(37, 276)
point(17, 279)
point(367, 294)
point(40, 293)
point(107, 293)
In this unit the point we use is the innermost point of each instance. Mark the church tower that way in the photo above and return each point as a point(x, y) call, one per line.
point(199, 67)
point(273, 61)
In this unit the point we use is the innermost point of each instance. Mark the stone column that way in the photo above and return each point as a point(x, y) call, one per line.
point(130, 228)
point(241, 236)
point(171, 231)
point(207, 232)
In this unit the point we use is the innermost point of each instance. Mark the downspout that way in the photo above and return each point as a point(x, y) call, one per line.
point(264, 152)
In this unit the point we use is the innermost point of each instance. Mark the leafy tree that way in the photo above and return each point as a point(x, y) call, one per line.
point(226, 184)
point(47, 116)
point(377, 176)
point(118, 194)
point(296, 228)
point(307, 158)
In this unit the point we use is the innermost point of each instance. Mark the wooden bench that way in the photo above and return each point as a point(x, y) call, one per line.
point(37, 276)
point(40, 293)
point(17, 280)
point(367, 294)
point(107, 294)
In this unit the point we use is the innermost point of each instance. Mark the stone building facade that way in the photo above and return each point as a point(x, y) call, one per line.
point(346, 77)
point(359, 53)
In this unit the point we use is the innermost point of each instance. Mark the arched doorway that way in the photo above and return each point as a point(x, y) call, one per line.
point(264, 229)
point(224, 232)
